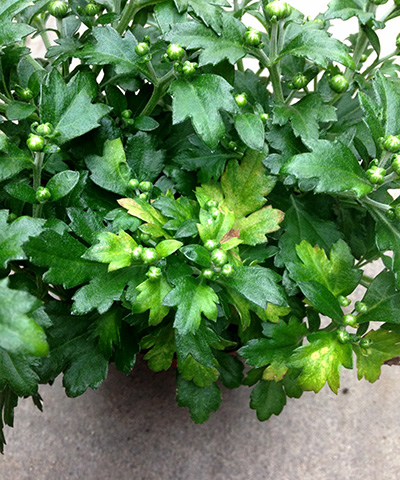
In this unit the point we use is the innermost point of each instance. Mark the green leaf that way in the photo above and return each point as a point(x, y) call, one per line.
point(143, 157)
point(321, 361)
point(337, 273)
point(197, 254)
point(14, 235)
point(201, 401)
point(322, 299)
point(251, 130)
point(62, 255)
point(105, 289)
point(68, 106)
point(167, 247)
point(21, 191)
point(62, 183)
point(191, 298)
point(254, 228)
point(166, 15)
point(111, 49)
point(145, 124)
point(319, 47)
point(257, 284)
point(113, 249)
point(85, 223)
point(246, 184)
point(388, 101)
point(12, 159)
point(161, 343)
point(230, 369)
point(10, 31)
point(18, 372)
point(152, 294)
point(19, 110)
point(332, 166)
point(141, 209)
point(372, 120)
point(19, 333)
point(111, 171)
point(73, 351)
point(204, 9)
point(267, 398)
point(385, 346)
point(346, 9)
point(107, 331)
point(305, 116)
point(215, 48)
point(382, 299)
point(300, 224)
point(201, 100)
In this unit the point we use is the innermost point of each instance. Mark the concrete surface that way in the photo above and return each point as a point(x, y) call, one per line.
point(132, 429)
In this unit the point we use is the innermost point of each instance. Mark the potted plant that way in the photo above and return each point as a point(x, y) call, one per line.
point(158, 197)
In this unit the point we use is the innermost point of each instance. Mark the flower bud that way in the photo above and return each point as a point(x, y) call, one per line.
point(142, 49)
point(149, 255)
point(350, 320)
point(396, 164)
point(44, 129)
point(154, 273)
point(339, 83)
point(344, 301)
point(175, 52)
point(145, 186)
point(211, 245)
point(126, 113)
point(35, 143)
point(241, 99)
point(42, 194)
point(366, 343)
point(252, 37)
point(299, 81)
point(92, 9)
point(58, 9)
point(278, 9)
point(208, 273)
point(219, 257)
point(343, 336)
point(189, 68)
point(376, 175)
point(361, 307)
point(227, 270)
point(137, 252)
point(392, 144)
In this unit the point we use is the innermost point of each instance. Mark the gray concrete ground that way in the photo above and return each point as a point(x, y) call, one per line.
point(132, 429)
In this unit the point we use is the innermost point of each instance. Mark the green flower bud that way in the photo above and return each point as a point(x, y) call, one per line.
point(145, 186)
point(252, 37)
point(211, 245)
point(390, 214)
point(361, 307)
point(364, 57)
point(241, 99)
point(142, 49)
point(350, 320)
point(43, 194)
point(154, 274)
point(299, 81)
point(366, 343)
point(264, 117)
point(373, 163)
point(339, 83)
point(278, 9)
point(208, 273)
point(24, 93)
point(137, 252)
point(227, 270)
point(58, 9)
point(35, 143)
point(149, 255)
point(175, 52)
point(133, 183)
point(189, 68)
point(344, 301)
point(126, 113)
point(376, 175)
point(144, 196)
point(144, 237)
point(219, 257)
point(212, 204)
point(396, 164)
point(92, 9)
point(214, 212)
point(232, 145)
point(392, 144)
point(44, 129)
point(343, 336)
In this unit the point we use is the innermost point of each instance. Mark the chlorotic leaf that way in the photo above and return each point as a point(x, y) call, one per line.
point(152, 294)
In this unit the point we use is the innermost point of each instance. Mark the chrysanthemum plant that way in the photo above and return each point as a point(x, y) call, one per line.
point(163, 196)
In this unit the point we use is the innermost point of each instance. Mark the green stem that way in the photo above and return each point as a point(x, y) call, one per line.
point(37, 178)
point(378, 61)
point(383, 161)
point(375, 204)
point(160, 88)
point(240, 65)
point(4, 98)
point(390, 178)
point(130, 10)
point(274, 69)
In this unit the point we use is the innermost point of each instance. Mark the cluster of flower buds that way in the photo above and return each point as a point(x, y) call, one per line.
point(142, 189)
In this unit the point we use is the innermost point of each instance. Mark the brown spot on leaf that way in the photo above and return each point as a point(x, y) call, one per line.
point(229, 235)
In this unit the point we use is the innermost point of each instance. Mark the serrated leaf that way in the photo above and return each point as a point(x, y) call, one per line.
point(68, 106)
point(215, 48)
point(161, 343)
point(319, 47)
point(166, 14)
point(152, 294)
point(142, 156)
point(257, 284)
point(18, 372)
point(191, 298)
point(62, 255)
point(19, 333)
point(337, 273)
point(201, 100)
point(10, 31)
point(267, 398)
point(85, 223)
point(385, 346)
point(111, 170)
point(106, 330)
point(116, 250)
point(345, 9)
point(201, 401)
point(382, 299)
point(254, 228)
point(322, 299)
point(62, 183)
point(230, 369)
point(387, 96)
point(14, 235)
point(305, 115)
point(321, 361)
point(251, 130)
point(332, 166)
point(12, 159)
point(204, 9)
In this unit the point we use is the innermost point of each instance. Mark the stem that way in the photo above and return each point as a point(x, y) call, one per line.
point(385, 157)
point(375, 204)
point(390, 178)
point(274, 69)
point(130, 10)
point(378, 61)
point(160, 88)
point(4, 98)
point(37, 177)
point(240, 65)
